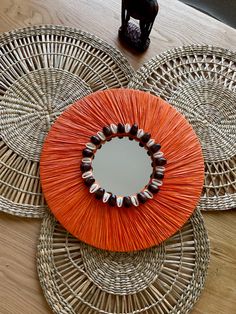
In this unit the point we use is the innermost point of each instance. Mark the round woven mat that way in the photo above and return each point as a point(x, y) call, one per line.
point(200, 82)
point(43, 69)
point(77, 278)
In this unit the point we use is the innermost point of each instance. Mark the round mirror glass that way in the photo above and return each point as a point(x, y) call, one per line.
point(122, 167)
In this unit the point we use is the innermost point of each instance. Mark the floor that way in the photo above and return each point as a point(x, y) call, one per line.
point(176, 24)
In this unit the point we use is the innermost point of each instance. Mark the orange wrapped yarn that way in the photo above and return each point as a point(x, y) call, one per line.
point(95, 222)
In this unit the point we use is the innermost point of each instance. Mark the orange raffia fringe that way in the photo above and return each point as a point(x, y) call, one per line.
point(113, 228)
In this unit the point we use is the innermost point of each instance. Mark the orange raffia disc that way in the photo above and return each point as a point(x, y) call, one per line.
point(95, 222)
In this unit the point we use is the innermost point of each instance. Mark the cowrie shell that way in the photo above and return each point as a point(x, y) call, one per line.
point(157, 182)
point(148, 194)
point(106, 197)
point(134, 200)
point(87, 160)
point(91, 146)
point(160, 168)
point(94, 187)
point(127, 128)
point(113, 128)
point(158, 154)
point(87, 174)
point(101, 135)
point(140, 133)
point(150, 142)
point(119, 201)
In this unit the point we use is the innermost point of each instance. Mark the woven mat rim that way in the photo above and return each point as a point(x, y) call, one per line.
point(17, 33)
point(146, 68)
point(51, 301)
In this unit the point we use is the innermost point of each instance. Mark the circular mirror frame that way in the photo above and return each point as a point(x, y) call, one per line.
point(134, 133)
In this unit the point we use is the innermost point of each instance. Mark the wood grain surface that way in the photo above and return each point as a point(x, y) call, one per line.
point(176, 25)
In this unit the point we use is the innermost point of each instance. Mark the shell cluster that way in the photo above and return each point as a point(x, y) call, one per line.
point(134, 133)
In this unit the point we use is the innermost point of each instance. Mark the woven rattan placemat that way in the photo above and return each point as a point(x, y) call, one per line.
point(43, 69)
point(77, 278)
point(200, 81)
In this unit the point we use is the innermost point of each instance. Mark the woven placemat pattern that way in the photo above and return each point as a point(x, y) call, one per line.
point(122, 272)
point(76, 278)
point(43, 69)
point(200, 81)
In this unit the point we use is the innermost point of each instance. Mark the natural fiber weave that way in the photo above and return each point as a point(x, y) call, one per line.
point(133, 271)
point(43, 69)
point(200, 81)
point(76, 278)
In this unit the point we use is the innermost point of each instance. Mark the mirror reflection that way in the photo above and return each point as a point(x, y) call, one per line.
point(122, 167)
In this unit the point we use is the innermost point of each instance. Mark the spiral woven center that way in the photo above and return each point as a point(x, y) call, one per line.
point(134, 271)
point(210, 108)
point(32, 104)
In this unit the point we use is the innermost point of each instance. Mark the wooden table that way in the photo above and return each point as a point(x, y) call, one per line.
point(176, 24)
